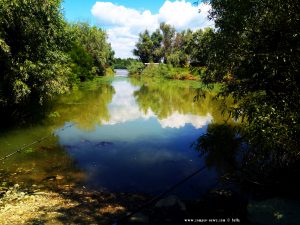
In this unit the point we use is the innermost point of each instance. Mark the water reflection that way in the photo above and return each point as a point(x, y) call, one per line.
point(174, 102)
point(130, 102)
point(86, 107)
point(178, 120)
point(123, 106)
point(220, 147)
point(144, 145)
point(128, 136)
point(121, 73)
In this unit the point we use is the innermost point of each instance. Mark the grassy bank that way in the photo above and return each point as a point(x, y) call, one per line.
point(167, 71)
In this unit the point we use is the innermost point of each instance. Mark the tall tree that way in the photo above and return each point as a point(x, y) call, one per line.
point(33, 64)
point(258, 46)
point(144, 47)
point(168, 33)
point(156, 39)
point(94, 41)
point(202, 47)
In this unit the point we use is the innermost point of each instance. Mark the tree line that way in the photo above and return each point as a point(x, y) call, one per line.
point(180, 49)
point(42, 55)
point(254, 52)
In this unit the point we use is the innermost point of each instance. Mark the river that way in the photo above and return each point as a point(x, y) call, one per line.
point(118, 135)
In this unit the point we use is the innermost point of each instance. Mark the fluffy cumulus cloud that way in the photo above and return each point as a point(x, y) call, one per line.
point(124, 24)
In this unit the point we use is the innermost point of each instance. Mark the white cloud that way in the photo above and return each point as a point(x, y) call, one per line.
point(124, 24)
point(183, 15)
point(123, 107)
point(178, 120)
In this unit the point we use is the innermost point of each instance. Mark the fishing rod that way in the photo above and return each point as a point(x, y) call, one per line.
point(36, 142)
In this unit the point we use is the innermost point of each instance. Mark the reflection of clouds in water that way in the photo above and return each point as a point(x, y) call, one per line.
point(177, 120)
point(124, 108)
point(121, 73)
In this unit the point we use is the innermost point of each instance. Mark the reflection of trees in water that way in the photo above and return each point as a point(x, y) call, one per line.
point(225, 147)
point(165, 98)
point(220, 147)
point(85, 107)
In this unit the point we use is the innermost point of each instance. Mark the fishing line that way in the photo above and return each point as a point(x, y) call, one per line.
point(36, 142)
point(158, 197)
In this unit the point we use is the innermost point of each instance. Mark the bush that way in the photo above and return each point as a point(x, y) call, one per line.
point(33, 65)
point(167, 71)
point(136, 68)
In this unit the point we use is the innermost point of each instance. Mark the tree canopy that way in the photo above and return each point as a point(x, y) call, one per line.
point(33, 61)
point(41, 55)
point(256, 46)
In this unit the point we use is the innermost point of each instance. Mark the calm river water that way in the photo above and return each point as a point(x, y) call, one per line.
point(119, 135)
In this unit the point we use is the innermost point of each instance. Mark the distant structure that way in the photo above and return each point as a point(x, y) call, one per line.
point(147, 64)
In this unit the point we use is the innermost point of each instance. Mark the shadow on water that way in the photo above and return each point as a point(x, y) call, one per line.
point(220, 147)
point(225, 147)
point(130, 141)
point(263, 197)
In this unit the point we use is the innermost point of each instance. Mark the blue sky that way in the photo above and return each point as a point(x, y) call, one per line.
point(81, 9)
point(123, 20)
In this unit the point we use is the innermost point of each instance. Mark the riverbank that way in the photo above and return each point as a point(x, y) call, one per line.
point(161, 70)
point(74, 205)
point(62, 205)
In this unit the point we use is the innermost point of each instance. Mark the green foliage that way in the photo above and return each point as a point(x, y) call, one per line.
point(42, 56)
point(256, 50)
point(161, 70)
point(93, 41)
point(82, 65)
point(168, 33)
point(135, 68)
point(156, 50)
point(176, 48)
point(33, 64)
point(156, 46)
point(144, 47)
point(119, 63)
point(201, 47)
point(109, 71)
point(166, 71)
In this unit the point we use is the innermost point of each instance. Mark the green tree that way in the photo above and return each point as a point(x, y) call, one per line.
point(119, 63)
point(201, 46)
point(83, 64)
point(168, 33)
point(156, 38)
point(33, 65)
point(257, 47)
point(94, 41)
point(144, 47)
